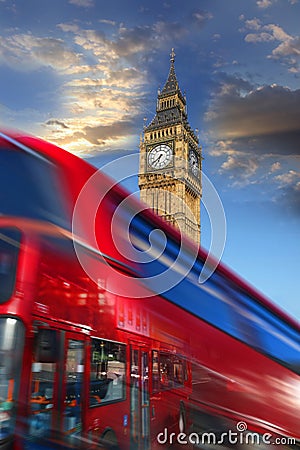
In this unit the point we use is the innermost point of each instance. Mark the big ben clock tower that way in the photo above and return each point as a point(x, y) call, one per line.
point(170, 161)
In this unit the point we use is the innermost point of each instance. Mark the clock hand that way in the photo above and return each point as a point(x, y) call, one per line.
point(157, 159)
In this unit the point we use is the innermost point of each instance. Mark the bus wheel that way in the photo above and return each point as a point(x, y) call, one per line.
point(109, 440)
point(182, 418)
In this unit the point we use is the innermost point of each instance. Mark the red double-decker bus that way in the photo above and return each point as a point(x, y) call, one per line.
point(97, 349)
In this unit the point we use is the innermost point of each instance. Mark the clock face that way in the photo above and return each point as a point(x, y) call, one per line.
point(160, 156)
point(193, 163)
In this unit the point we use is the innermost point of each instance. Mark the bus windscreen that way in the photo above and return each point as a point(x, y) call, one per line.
point(9, 249)
point(29, 187)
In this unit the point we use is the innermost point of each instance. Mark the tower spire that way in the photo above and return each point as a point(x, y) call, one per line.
point(172, 54)
point(171, 85)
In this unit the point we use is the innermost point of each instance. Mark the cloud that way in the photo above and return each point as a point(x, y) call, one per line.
point(272, 145)
point(108, 22)
point(93, 41)
point(82, 3)
point(101, 133)
point(252, 24)
point(247, 162)
point(68, 27)
point(98, 84)
point(102, 74)
point(265, 33)
point(56, 123)
point(25, 52)
point(292, 196)
point(240, 168)
point(134, 43)
point(101, 93)
point(125, 78)
point(275, 167)
point(265, 118)
point(288, 49)
point(90, 139)
point(289, 191)
point(263, 4)
point(255, 131)
point(200, 17)
point(288, 178)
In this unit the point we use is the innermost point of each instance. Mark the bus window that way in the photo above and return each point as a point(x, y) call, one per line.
point(11, 348)
point(74, 368)
point(47, 346)
point(41, 402)
point(171, 371)
point(9, 250)
point(43, 372)
point(179, 372)
point(155, 371)
point(107, 382)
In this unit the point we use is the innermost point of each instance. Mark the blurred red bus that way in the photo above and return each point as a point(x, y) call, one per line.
point(93, 350)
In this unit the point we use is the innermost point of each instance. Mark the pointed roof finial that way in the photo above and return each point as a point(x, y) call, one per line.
point(171, 86)
point(172, 54)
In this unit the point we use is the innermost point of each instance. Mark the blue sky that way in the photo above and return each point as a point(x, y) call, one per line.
point(84, 74)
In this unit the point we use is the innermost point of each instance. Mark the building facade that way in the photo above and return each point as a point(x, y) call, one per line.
point(170, 161)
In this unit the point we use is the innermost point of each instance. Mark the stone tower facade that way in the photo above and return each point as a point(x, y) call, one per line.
point(170, 161)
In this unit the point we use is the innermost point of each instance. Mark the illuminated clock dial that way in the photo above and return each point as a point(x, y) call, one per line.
point(160, 156)
point(193, 163)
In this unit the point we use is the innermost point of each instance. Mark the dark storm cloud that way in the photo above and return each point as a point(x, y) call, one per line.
point(284, 143)
point(56, 122)
point(100, 134)
point(252, 129)
point(264, 119)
